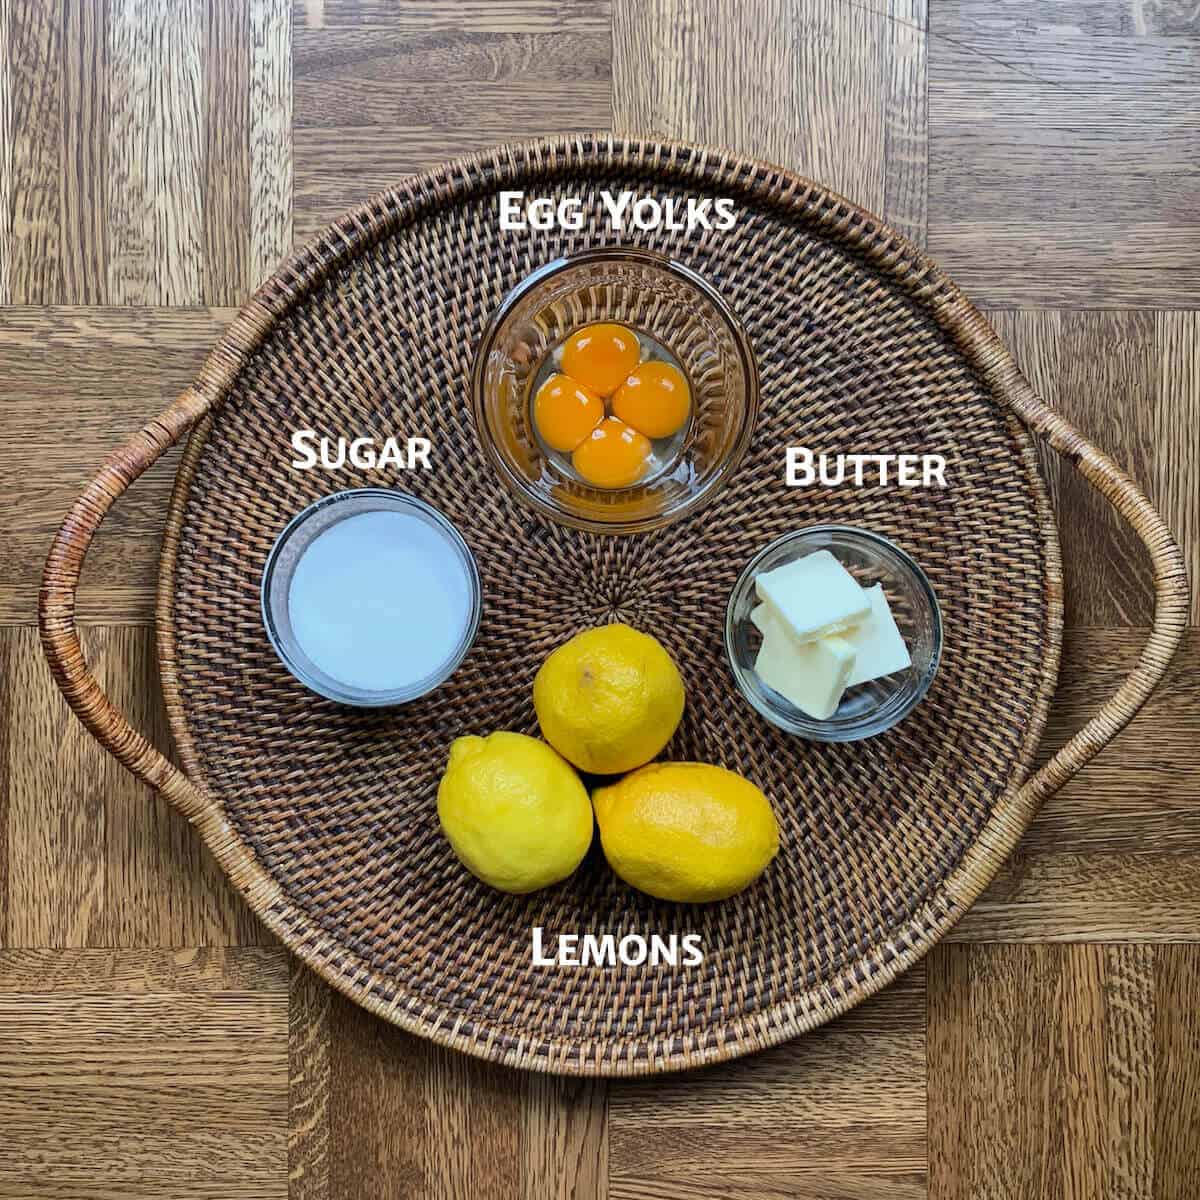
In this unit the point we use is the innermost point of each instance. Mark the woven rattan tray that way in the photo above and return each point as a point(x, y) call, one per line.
point(324, 817)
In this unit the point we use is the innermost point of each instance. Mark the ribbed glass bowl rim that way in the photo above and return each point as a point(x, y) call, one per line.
point(356, 697)
point(519, 486)
point(807, 727)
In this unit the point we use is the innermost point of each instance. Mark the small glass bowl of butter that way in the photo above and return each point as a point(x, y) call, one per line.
point(833, 633)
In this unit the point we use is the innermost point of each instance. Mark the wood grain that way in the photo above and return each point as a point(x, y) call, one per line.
point(78, 383)
point(838, 1113)
point(34, 101)
point(152, 1077)
point(481, 16)
point(906, 145)
point(155, 153)
point(564, 1139)
point(378, 1118)
point(7, 183)
point(270, 136)
point(835, 91)
point(94, 858)
point(122, 972)
point(1116, 853)
point(1092, 896)
point(473, 1126)
point(1174, 478)
point(7, 657)
point(1176, 1128)
point(1048, 1076)
point(369, 77)
point(83, 154)
point(162, 887)
point(1064, 166)
point(146, 150)
point(1100, 369)
point(372, 105)
point(408, 1118)
point(1146, 795)
point(1120, 18)
point(54, 809)
point(1130, 381)
point(225, 211)
point(308, 1086)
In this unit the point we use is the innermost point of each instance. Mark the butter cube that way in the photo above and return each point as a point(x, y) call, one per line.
point(813, 597)
point(879, 648)
point(811, 675)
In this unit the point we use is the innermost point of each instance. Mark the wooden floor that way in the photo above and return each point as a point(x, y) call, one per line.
point(156, 159)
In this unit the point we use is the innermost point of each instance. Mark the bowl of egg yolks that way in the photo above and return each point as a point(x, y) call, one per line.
point(615, 390)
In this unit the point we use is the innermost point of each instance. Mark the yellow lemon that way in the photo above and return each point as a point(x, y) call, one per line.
point(686, 831)
point(609, 699)
point(516, 815)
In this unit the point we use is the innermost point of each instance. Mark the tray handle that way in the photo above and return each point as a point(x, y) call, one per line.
point(56, 606)
point(1171, 598)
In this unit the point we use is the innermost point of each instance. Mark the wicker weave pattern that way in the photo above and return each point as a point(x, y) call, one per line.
point(325, 816)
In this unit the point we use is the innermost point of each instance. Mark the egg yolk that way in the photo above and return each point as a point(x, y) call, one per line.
point(613, 456)
point(655, 399)
point(601, 356)
point(565, 412)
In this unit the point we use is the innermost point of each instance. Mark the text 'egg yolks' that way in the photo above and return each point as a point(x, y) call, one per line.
point(655, 399)
point(565, 412)
point(613, 456)
point(601, 356)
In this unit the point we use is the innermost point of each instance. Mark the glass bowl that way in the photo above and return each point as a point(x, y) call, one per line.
point(870, 708)
point(300, 532)
point(652, 294)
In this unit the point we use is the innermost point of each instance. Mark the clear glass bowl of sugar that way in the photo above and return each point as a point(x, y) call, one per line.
point(871, 708)
point(371, 597)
